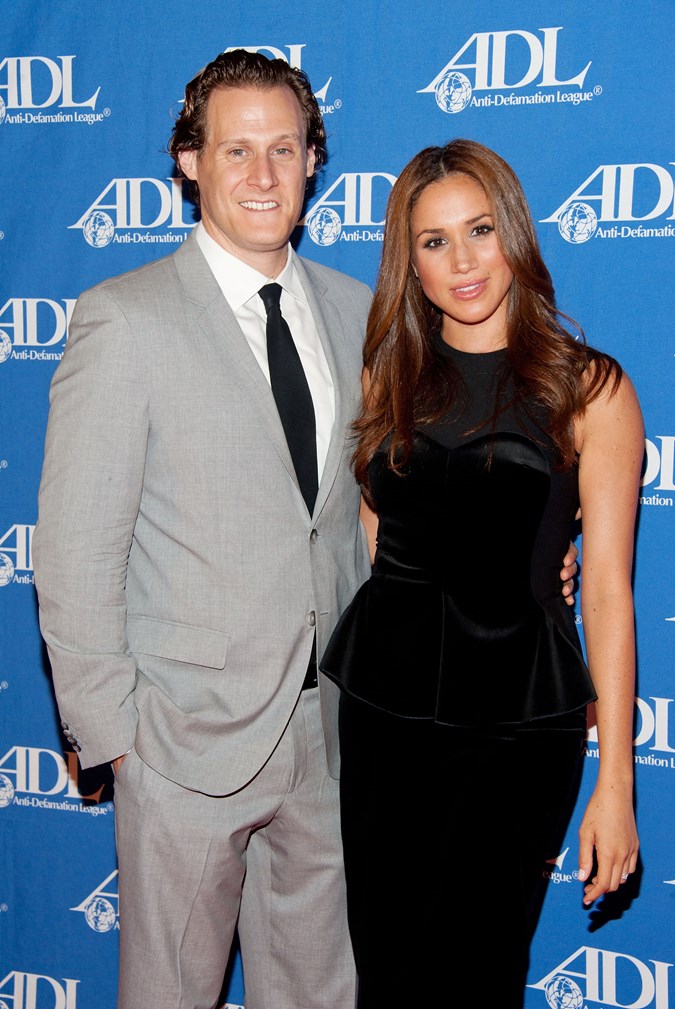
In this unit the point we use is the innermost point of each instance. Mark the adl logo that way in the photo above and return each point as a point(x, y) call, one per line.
point(31, 84)
point(361, 198)
point(618, 193)
point(607, 978)
point(28, 325)
point(139, 204)
point(37, 991)
point(504, 61)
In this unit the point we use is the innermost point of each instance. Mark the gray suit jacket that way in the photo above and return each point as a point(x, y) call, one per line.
point(180, 576)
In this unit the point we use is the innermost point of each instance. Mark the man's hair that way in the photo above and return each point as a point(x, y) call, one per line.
point(241, 69)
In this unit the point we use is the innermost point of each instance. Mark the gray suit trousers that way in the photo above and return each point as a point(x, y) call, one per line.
point(269, 854)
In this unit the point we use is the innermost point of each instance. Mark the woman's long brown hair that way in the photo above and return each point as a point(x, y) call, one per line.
point(411, 382)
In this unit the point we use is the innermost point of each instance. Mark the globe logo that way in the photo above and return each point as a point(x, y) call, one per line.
point(98, 229)
point(453, 92)
point(563, 993)
point(100, 914)
point(3, 111)
point(6, 791)
point(324, 226)
point(6, 570)
point(5, 347)
point(577, 223)
point(3, 1005)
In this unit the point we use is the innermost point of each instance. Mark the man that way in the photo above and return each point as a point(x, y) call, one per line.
point(193, 552)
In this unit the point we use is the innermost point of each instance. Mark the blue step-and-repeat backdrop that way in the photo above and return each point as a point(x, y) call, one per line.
point(578, 98)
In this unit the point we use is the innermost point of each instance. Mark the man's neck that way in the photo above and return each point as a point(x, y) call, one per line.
point(269, 262)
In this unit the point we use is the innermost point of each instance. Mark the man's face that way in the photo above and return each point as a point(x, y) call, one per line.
point(252, 173)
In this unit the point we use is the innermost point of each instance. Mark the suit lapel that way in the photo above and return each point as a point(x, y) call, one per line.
point(218, 322)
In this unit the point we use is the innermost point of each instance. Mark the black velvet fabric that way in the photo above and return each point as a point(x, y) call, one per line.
point(463, 621)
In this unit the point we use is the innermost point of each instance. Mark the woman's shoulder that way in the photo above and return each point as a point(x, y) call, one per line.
point(600, 372)
point(612, 407)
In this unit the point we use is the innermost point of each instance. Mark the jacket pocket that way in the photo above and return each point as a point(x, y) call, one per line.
point(200, 646)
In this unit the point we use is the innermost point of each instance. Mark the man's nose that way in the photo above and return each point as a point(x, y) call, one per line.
point(262, 172)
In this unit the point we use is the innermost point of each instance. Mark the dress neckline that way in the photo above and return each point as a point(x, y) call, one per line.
point(467, 355)
point(488, 363)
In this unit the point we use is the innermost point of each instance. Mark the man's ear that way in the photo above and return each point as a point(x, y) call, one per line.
point(311, 161)
point(188, 164)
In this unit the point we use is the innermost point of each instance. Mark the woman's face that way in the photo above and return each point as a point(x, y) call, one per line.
point(461, 268)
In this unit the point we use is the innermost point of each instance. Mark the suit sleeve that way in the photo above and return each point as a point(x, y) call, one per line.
point(89, 499)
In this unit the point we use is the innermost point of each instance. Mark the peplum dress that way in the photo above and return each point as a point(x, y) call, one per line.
point(464, 691)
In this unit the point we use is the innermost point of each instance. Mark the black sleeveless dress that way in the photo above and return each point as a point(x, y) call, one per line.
point(463, 708)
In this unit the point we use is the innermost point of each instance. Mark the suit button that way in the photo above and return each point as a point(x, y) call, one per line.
point(311, 618)
point(313, 536)
point(64, 725)
point(76, 747)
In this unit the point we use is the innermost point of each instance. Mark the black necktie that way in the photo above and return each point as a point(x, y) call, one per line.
point(292, 395)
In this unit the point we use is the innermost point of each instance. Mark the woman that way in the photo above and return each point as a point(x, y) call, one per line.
point(463, 709)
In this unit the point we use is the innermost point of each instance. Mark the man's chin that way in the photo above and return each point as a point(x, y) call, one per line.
point(268, 243)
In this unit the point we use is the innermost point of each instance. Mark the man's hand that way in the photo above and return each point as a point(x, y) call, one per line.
point(568, 573)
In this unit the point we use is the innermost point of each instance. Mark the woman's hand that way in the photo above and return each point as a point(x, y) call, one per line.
point(568, 573)
point(608, 827)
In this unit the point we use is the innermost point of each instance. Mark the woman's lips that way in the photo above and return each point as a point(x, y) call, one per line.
point(469, 291)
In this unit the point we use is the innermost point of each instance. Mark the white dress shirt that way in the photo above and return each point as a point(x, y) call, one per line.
point(240, 284)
